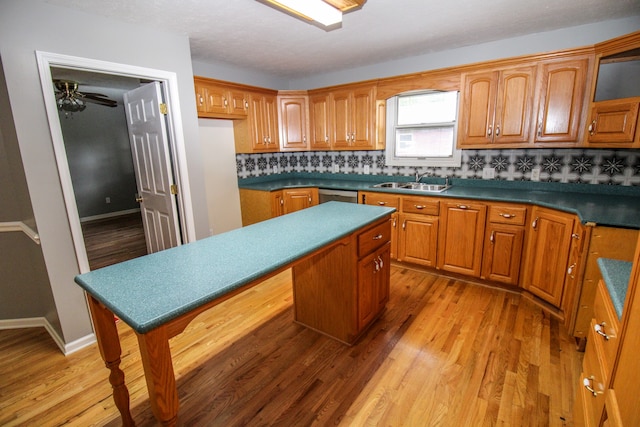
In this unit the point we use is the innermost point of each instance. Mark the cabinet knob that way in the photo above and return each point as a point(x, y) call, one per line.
point(507, 216)
point(378, 237)
point(592, 127)
point(490, 131)
point(497, 130)
point(570, 270)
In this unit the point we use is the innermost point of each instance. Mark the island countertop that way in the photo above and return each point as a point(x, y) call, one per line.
point(608, 205)
point(149, 291)
point(616, 274)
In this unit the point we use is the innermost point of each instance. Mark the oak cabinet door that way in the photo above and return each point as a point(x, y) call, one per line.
point(418, 240)
point(503, 253)
point(561, 99)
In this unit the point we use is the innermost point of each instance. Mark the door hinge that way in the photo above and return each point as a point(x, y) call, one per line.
point(163, 109)
point(174, 189)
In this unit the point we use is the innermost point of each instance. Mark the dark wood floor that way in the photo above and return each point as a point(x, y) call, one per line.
point(112, 240)
point(444, 353)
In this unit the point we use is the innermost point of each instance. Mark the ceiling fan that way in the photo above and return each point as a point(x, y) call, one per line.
point(68, 98)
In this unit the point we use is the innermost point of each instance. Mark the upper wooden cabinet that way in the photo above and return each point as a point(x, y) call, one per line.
point(217, 100)
point(496, 107)
point(319, 126)
point(561, 100)
point(259, 133)
point(293, 120)
point(615, 94)
point(352, 116)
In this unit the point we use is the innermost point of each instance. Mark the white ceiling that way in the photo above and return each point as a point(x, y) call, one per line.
point(249, 34)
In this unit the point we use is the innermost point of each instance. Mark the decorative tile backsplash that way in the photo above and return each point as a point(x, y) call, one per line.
point(586, 166)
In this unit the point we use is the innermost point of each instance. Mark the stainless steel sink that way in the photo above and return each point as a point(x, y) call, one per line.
point(419, 186)
point(390, 185)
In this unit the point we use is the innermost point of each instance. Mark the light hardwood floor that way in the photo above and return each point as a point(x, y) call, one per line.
point(445, 352)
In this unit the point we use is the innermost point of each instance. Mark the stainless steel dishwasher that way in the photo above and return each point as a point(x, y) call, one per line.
point(327, 195)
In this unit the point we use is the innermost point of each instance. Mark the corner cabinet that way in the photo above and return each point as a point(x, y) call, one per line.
point(358, 270)
point(548, 254)
point(496, 107)
point(352, 115)
point(291, 200)
point(259, 133)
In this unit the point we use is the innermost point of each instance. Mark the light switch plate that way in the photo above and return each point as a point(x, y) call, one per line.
point(535, 174)
point(488, 173)
point(275, 169)
point(336, 168)
point(366, 169)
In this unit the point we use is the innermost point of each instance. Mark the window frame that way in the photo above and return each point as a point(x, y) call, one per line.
point(455, 160)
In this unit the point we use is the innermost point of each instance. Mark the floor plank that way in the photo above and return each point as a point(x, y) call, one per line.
point(444, 353)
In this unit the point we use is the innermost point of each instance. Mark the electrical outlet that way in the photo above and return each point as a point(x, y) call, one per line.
point(366, 169)
point(535, 174)
point(107, 200)
point(488, 173)
point(336, 168)
point(275, 169)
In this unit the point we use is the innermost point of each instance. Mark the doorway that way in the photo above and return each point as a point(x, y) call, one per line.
point(105, 75)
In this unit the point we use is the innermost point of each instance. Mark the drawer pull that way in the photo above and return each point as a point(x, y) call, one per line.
point(599, 328)
point(378, 237)
point(382, 203)
point(463, 207)
point(570, 270)
point(419, 206)
point(587, 384)
point(377, 267)
point(381, 262)
point(507, 216)
point(534, 224)
point(492, 238)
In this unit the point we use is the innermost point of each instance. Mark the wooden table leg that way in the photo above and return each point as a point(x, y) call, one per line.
point(158, 371)
point(109, 345)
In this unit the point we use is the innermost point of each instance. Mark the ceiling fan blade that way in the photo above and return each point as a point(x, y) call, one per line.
point(100, 100)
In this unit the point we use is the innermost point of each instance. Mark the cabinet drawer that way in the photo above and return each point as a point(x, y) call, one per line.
point(373, 238)
point(420, 205)
point(504, 214)
point(607, 323)
point(388, 200)
point(594, 377)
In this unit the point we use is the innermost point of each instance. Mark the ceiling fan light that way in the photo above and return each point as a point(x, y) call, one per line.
point(313, 10)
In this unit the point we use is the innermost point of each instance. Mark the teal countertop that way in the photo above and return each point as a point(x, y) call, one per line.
point(609, 205)
point(149, 291)
point(616, 274)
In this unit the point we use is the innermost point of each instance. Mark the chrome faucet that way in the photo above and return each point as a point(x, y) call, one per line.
point(420, 176)
point(446, 181)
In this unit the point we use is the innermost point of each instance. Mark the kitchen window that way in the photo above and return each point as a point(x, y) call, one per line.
point(421, 129)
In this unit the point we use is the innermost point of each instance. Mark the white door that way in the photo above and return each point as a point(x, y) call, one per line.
point(152, 164)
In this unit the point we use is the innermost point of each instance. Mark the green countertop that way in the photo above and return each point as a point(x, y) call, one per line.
point(616, 275)
point(149, 291)
point(609, 205)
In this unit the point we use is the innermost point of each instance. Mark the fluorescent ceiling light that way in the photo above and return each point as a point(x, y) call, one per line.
point(313, 10)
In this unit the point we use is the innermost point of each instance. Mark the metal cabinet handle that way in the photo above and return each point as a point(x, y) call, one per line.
point(587, 384)
point(492, 237)
point(200, 99)
point(575, 236)
point(498, 130)
point(507, 216)
point(570, 270)
point(419, 206)
point(539, 129)
point(592, 127)
point(599, 328)
point(376, 268)
point(534, 224)
point(404, 224)
point(463, 207)
point(381, 262)
point(224, 101)
point(326, 138)
point(393, 224)
point(381, 203)
point(490, 131)
point(378, 237)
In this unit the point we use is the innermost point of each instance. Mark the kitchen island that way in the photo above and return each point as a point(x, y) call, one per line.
point(340, 275)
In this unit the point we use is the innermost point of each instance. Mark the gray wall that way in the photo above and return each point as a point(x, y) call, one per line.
point(99, 156)
point(24, 286)
point(30, 25)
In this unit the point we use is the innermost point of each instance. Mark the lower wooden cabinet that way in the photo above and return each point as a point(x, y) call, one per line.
point(504, 243)
point(257, 205)
point(550, 237)
point(462, 226)
point(418, 239)
point(341, 291)
point(389, 201)
point(291, 200)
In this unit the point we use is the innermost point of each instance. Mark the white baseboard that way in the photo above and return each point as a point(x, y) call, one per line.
point(41, 322)
point(109, 215)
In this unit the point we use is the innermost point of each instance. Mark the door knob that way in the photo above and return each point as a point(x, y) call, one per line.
point(139, 199)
